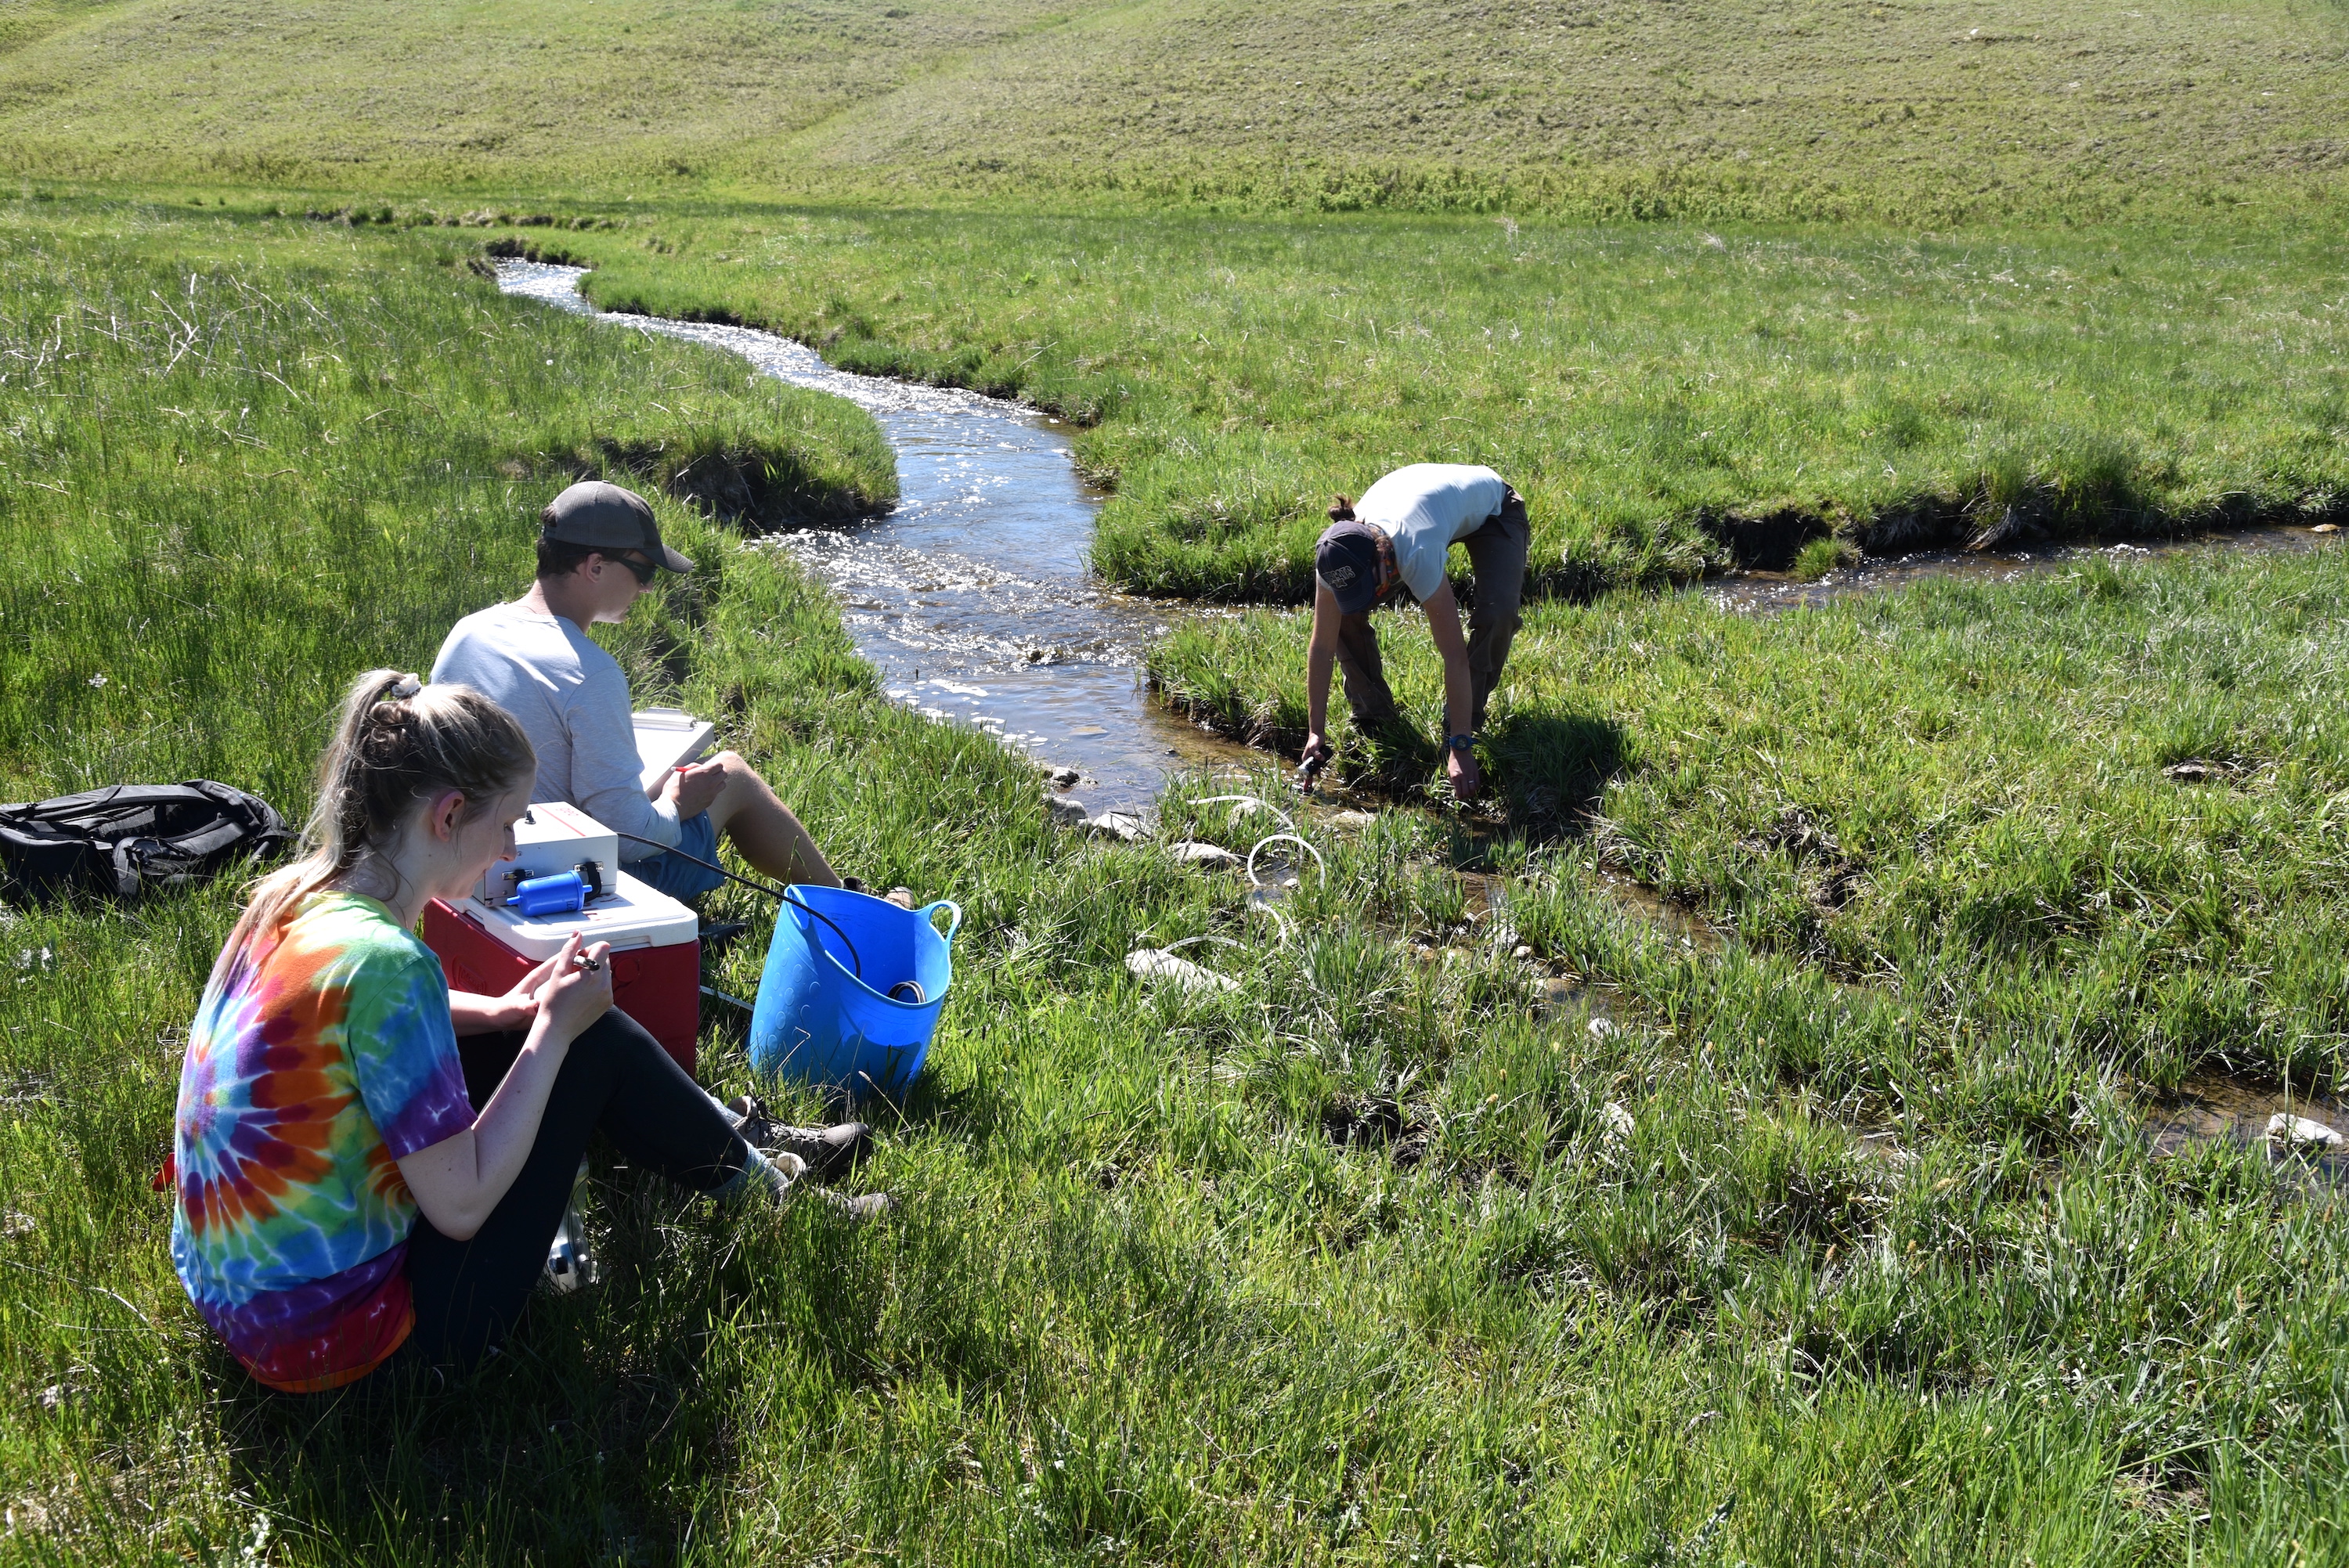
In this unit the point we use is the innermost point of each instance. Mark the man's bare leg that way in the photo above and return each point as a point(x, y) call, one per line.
point(763, 828)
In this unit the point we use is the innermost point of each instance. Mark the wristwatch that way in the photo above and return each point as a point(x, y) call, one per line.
point(1460, 743)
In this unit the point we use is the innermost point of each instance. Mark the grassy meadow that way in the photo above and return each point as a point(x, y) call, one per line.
point(1499, 1214)
point(1669, 399)
point(170, 384)
point(1406, 1250)
point(436, 94)
point(1954, 794)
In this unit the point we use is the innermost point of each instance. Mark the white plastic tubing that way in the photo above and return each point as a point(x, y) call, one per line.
point(1160, 962)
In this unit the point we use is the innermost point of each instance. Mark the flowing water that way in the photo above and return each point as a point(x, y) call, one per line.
point(1763, 593)
point(972, 595)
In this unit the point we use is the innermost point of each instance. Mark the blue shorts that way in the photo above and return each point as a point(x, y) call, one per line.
point(675, 875)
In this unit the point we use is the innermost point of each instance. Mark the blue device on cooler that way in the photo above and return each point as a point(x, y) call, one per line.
point(565, 893)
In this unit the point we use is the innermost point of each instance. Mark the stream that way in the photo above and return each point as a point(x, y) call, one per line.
point(1768, 592)
point(971, 595)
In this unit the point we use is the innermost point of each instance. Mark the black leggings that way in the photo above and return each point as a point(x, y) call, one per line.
point(616, 1078)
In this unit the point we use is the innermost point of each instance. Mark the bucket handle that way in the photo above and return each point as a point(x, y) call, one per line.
point(952, 926)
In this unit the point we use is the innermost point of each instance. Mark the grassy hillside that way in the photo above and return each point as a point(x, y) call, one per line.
point(1910, 110)
point(1914, 110)
point(1379, 1257)
point(414, 92)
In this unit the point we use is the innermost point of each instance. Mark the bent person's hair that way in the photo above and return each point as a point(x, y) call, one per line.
point(397, 744)
point(1341, 510)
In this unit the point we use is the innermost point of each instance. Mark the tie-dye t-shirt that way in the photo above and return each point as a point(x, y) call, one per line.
point(318, 1057)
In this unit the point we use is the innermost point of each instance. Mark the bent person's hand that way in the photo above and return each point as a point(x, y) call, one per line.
point(1459, 768)
point(1318, 750)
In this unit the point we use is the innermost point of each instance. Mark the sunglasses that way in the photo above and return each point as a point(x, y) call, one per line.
point(645, 570)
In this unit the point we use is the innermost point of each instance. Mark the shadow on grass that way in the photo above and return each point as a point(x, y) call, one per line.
point(562, 1448)
point(1552, 769)
point(1546, 772)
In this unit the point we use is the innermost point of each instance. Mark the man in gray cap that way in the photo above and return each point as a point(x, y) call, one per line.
point(599, 549)
point(1398, 536)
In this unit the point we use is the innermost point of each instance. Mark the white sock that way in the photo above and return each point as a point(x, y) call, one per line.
point(772, 1175)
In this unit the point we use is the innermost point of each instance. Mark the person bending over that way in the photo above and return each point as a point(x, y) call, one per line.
point(1397, 537)
point(341, 1204)
point(598, 551)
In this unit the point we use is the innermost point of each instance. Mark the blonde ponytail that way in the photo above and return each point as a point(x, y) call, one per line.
point(397, 744)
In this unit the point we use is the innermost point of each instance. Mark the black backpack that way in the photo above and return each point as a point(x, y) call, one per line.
point(128, 836)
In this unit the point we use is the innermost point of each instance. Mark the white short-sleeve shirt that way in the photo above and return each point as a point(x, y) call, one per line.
point(572, 700)
point(1426, 509)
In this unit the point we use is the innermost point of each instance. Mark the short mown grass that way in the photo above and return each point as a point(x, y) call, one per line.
point(1387, 1255)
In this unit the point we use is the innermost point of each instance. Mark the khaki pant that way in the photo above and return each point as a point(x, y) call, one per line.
point(1497, 564)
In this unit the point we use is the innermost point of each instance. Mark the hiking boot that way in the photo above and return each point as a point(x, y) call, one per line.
point(827, 1152)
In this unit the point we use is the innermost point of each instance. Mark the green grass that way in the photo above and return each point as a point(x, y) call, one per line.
point(1917, 111)
point(1874, 1272)
point(172, 384)
point(448, 94)
point(2124, 313)
point(1668, 399)
point(1910, 111)
point(1954, 794)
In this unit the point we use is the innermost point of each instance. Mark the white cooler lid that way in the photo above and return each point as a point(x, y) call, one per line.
point(636, 915)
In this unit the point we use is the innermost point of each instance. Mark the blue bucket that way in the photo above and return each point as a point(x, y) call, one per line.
point(825, 1012)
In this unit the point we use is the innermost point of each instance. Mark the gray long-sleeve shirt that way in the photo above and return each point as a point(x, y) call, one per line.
point(573, 702)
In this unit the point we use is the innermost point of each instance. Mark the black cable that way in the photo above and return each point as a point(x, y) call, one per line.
point(781, 894)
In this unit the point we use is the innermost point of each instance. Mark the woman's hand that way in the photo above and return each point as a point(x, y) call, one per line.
point(576, 989)
point(477, 1015)
point(460, 1180)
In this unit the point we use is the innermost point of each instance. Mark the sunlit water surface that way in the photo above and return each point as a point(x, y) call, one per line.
point(971, 595)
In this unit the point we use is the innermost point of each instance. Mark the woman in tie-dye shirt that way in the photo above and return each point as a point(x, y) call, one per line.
point(340, 1196)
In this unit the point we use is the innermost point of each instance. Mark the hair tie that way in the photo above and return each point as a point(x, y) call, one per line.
point(391, 709)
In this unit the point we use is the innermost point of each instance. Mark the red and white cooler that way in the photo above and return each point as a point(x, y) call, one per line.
point(656, 952)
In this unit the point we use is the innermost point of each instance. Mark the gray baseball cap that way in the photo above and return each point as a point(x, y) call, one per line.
point(1346, 560)
point(592, 512)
